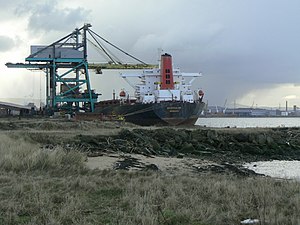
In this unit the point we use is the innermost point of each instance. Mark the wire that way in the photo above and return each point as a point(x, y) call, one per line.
point(102, 48)
point(117, 47)
point(99, 50)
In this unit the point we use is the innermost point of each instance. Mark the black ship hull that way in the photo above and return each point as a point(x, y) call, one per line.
point(163, 113)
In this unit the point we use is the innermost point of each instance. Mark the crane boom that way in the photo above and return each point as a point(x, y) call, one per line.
point(92, 66)
point(65, 61)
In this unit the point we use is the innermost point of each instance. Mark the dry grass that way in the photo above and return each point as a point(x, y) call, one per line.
point(211, 199)
point(40, 186)
point(22, 156)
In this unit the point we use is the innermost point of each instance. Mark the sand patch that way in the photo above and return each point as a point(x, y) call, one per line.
point(170, 164)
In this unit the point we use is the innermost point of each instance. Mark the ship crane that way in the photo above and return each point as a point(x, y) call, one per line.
point(65, 61)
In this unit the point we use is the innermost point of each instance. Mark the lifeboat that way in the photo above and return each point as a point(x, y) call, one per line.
point(122, 94)
point(200, 93)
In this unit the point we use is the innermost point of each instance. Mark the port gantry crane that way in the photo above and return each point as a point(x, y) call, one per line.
point(65, 61)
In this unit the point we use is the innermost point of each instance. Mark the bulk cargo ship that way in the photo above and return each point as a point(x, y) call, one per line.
point(163, 97)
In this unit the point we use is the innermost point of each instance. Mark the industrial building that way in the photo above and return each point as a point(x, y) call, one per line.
point(11, 109)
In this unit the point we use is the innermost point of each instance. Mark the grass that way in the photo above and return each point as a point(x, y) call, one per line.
point(53, 186)
point(22, 156)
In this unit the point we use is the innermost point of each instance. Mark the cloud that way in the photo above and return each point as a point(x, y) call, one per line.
point(271, 95)
point(8, 4)
point(48, 16)
point(290, 97)
point(6, 43)
point(240, 46)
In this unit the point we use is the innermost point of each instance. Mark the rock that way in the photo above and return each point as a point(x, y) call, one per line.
point(250, 221)
point(241, 137)
point(152, 167)
point(218, 145)
point(187, 148)
point(261, 139)
point(205, 153)
point(226, 168)
point(180, 156)
point(212, 134)
point(270, 140)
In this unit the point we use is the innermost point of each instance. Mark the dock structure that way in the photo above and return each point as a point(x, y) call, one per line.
point(66, 66)
point(63, 62)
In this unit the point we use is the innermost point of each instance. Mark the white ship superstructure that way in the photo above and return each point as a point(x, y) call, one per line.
point(165, 84)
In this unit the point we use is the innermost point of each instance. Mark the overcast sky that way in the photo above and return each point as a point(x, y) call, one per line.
point(247, 50)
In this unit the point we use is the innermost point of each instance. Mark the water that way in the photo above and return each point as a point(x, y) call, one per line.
point(277, 168)
point(249, 122)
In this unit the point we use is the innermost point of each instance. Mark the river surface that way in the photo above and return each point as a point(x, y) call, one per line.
point(277, 168)
point(248, 122)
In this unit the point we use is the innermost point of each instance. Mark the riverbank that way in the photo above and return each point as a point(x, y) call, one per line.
point(217, 146)
point(194, 150)
point(89, 172)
